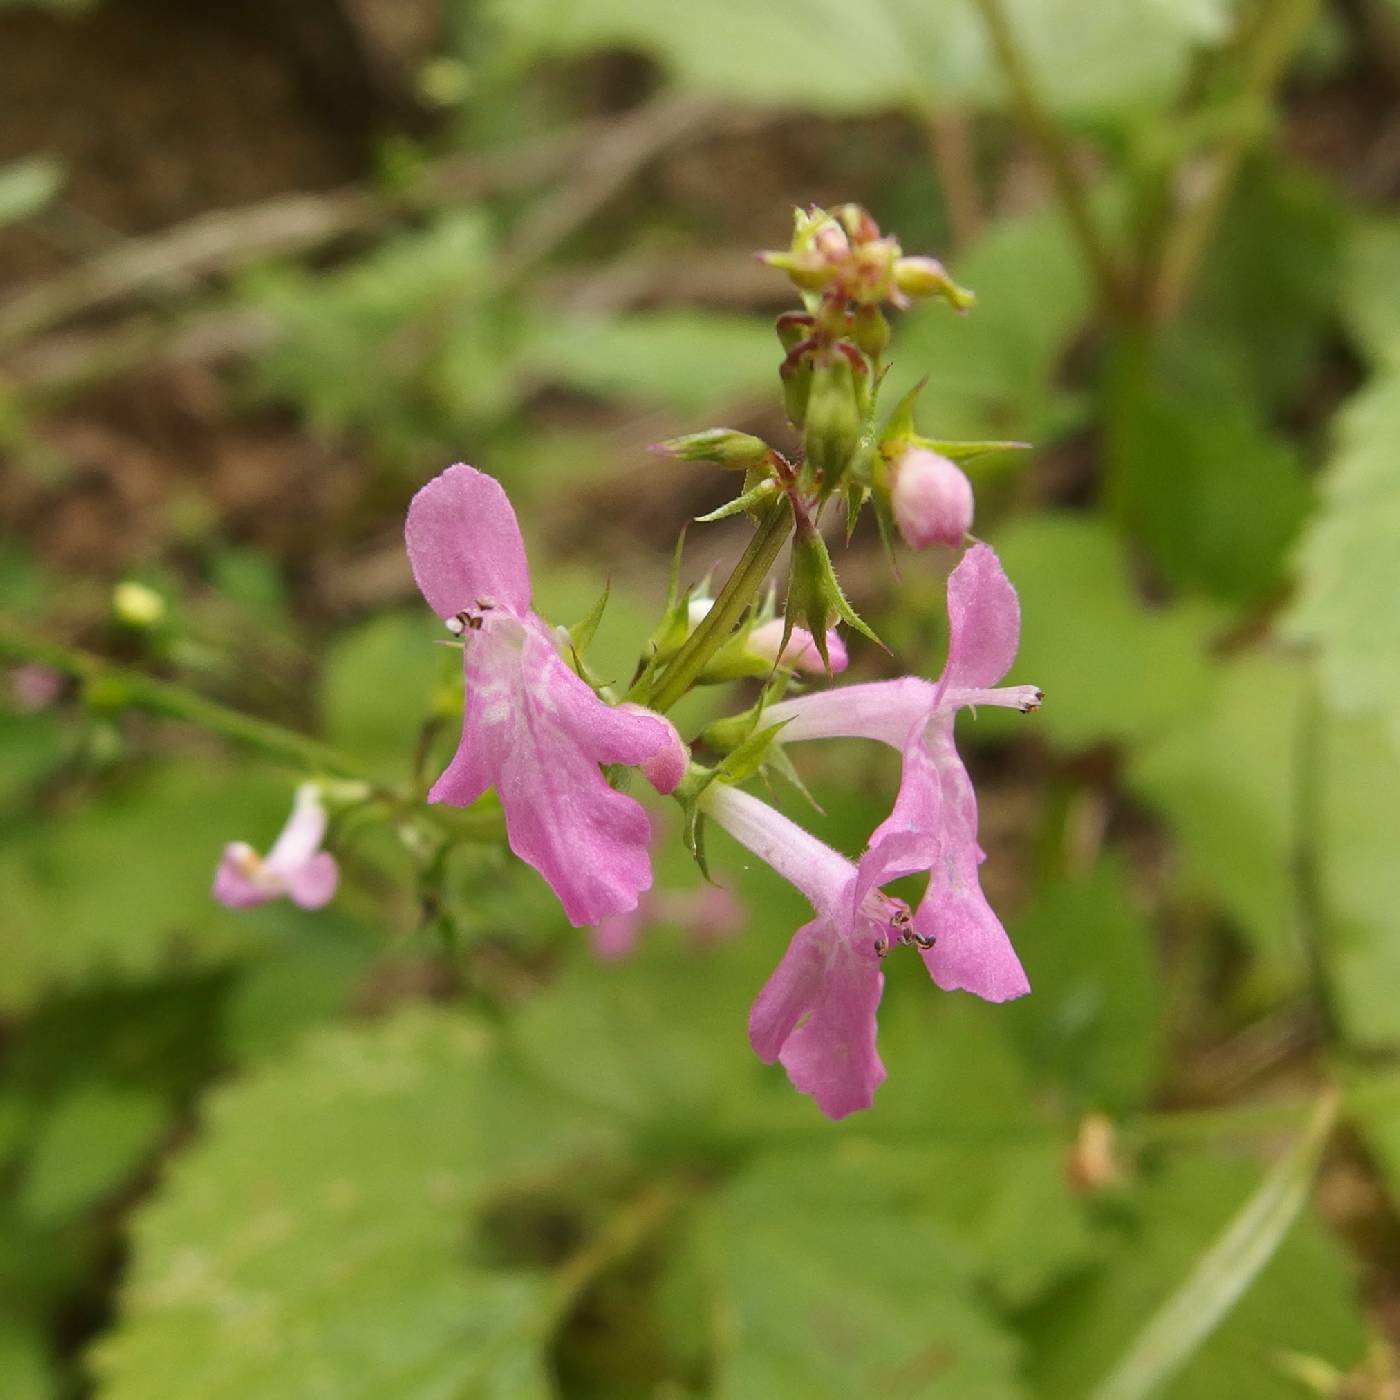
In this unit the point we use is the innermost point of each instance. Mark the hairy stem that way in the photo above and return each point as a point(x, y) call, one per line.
point(121, 687)
point(1054, 151)
point(738, 593)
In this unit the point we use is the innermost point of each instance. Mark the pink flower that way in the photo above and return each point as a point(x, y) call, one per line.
point(532, 729)
point(933, 825)
point(296, 866)
point(931, 499)
point(34, 687)
point(816, 1013)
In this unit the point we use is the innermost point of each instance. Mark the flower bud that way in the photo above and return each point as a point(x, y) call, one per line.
point(834, 419)
point(931, 499)
point(871, 330)
point(137, 605)
point(801, 652)
point(735, 450)
point(927, 277)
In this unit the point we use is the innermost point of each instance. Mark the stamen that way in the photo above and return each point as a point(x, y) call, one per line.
point(456, 625)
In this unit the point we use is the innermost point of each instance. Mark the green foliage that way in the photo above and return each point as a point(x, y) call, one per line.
point(372, 1138)
point(992, 373)
point(1215, 497)
point(1090, 643)
point(686, 360)
point(824, 1288)
point(410, 346)
point(1093, 1027)
point(1301, 1302)
point(1350, 566)
point(1227, 783)
point(843, 58)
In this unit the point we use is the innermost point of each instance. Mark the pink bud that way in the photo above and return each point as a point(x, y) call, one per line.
point(931, 498)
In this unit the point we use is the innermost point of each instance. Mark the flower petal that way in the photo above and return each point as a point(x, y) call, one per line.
point(301, 837)
point(801, 652)
point(464, 544)
point(883, 710)
point(537, 733)
point(313, 882)
point(235, 879)
point(823, 875)
point(984, 621)
point(910, 838)
point(972, 952)
point(816, 1014)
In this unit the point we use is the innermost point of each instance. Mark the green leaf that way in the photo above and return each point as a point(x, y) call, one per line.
point(1226, 780)
point(823, 1288)
point(1354, 830)
point(1224, 1272)
point(26, 186)
point(1111, 667)
point(1268, 291)
point(315, 1239)
point(1217, 499)
point(1350, 565)
point(1370, 295)
point(377, 684)
point(830, 56)
point(24, 1363)
point(1092, 1028)
point(687, 360)
point(1303, 1300)
point(91, 1143)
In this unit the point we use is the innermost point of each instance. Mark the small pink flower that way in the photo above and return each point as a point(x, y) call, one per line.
point(531, 728)
point(933, 825)
point(816, 1013)
point(296, 866)
point(931, 498)
point(34, 687)
point(801, 652)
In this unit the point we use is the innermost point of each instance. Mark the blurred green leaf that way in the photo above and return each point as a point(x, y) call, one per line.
point(1354, 830)
point(376, 686)
point(1216, 498)
point(1227, 781)
point(408, 345)
point(1224, 1272)
point(315, 1239)
point(992, 372)
point(1269, 284)
point(1091, 1027)
point(824, 1288)
point(26, 186)
point(1370, 299)
point(1373, 1105)
point(1304, 1300)
point(92, 1142)
point(1112, 668)
point(830, 56)
point(1349, 563)
point(24, 1362)
point(687, 360)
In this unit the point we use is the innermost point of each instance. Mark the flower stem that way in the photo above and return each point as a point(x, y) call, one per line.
point(738, 593)
point(121, 687)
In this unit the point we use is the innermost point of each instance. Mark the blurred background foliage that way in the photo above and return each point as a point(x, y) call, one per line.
point(265, 269)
